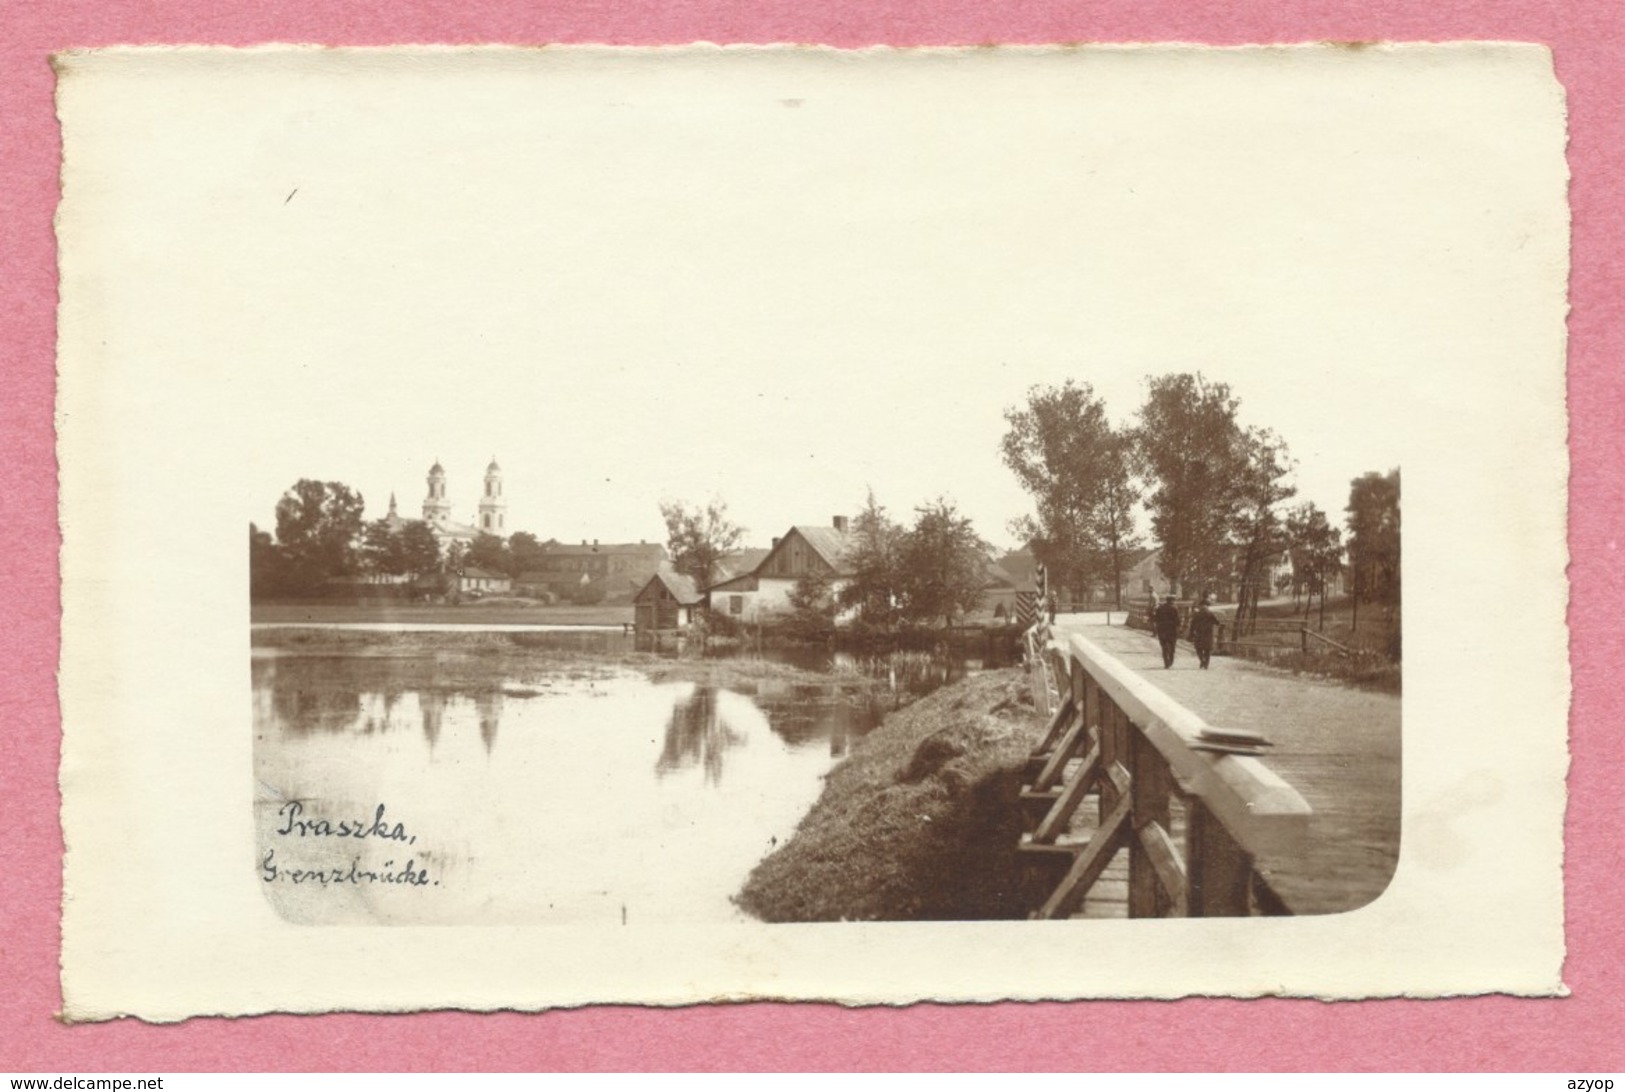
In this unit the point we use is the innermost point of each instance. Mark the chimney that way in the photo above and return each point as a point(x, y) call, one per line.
point(776, 543)
point(595, 544)
point(840, 524)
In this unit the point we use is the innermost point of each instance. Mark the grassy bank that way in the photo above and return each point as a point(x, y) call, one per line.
point(921, 820)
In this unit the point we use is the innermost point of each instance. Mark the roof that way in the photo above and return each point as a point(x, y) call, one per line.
point(647, 549)
point(453, 529)
point(997, 576)
point(739, 563)
point(680, 586)
point(1021, 566)
point(827, 543)
point(742, 582)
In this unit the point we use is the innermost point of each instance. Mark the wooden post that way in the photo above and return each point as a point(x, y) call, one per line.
point(1112, 723)
point(1036, 680)
point(1083, 691)
point(1220, 872)
point(1150, 787)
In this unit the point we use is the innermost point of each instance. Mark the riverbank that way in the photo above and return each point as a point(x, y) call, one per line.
point(920, 822)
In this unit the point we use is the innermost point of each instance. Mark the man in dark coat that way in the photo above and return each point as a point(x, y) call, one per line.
point(1165, 620)
point(1204, 624)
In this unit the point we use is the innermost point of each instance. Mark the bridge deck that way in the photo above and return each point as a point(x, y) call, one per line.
point(1338, 746)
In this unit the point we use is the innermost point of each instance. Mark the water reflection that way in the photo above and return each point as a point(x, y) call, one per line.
point(567, 792)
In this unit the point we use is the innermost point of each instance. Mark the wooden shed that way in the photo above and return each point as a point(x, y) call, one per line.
point(668, 601)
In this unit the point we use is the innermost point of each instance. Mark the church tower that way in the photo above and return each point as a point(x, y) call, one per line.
point(436, 508)
point(493, 509)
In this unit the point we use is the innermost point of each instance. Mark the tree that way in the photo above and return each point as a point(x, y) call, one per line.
point(381, 549)
point(1078, 469)
point(875, 563)
point(944, 565)
point(698, 538)
point(812, 607)
point(1373, 522)
point(1195, 457)
point(1316, 549)
point(1260, 489)
point(527, 552)
point(490, 553)
point(420, 550)
point(317, 527)
point(266, 576)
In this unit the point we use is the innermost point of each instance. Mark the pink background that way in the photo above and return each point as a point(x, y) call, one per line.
point(1579, 1034)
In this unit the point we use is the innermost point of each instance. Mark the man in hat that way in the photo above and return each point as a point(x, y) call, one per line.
point(1165, 620)
point(1204, 624)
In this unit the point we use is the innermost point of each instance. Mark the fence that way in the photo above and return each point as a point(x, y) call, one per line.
point(1193, 823)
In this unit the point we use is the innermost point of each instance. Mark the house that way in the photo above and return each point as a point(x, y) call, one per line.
point(999, 591)
point(475, 581)
point(764, 592)
point(620, 569)
point(1022, 569)
point(667, 601)
point(733, 587)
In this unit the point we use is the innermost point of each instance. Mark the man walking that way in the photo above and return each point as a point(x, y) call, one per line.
point(1165, 620)
point(1204, 623)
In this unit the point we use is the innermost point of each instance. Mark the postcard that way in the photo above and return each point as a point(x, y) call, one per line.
point(790, 523)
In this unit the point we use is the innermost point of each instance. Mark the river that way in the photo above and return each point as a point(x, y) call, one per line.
point(568, 791)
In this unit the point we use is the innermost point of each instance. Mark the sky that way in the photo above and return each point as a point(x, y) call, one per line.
point(785, 281)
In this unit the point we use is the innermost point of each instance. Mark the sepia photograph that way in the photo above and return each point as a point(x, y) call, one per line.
point(737, 489)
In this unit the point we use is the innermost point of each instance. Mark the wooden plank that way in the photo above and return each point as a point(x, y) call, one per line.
point(1057, 725)
point(1088, 867)
point(1150, 896)
point(1167, 871)
point(1051, 773)
point(1068, 846)
point(1261, 811)
point(1218, 871)
point(1077, 787)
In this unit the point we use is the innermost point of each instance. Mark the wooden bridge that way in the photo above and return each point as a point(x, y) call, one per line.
point(1132, 814)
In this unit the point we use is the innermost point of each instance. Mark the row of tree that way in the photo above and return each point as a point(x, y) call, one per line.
point(1213, 488)
point(321, 537)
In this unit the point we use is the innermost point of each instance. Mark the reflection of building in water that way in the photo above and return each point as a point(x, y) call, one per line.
point(432, 703)
point(315, 708)
point(697, 734)
point(837, 738)
point(488, 706)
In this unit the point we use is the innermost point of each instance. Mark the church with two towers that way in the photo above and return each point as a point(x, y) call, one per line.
point(490, 519)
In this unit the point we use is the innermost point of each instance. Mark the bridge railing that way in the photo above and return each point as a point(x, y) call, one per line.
point(1194, 822)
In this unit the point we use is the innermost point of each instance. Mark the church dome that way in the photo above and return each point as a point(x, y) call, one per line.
point(437, 468)
point(493, 468)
